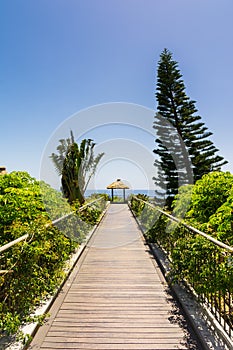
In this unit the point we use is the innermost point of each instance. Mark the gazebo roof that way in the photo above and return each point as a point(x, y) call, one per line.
point(118, 184)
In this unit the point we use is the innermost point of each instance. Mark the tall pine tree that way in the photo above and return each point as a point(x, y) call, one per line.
point(185, 152)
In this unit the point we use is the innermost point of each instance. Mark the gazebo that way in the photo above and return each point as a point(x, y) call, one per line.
point(3, 170)
point(118, 184)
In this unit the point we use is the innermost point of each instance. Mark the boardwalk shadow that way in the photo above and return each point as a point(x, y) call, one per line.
point(177, 317)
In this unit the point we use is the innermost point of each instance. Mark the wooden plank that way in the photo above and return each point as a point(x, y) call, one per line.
point(116, 298)
point(68, 334)
point(146, 331)
point(111, 340)
point(108, 346)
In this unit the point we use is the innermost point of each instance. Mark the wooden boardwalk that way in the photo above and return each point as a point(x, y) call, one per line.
point(115, 298)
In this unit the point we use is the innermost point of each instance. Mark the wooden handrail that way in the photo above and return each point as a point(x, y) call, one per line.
point(191, 228)
point(10, 244)
point(88, 204)
point(24, 237)
point(72, 212)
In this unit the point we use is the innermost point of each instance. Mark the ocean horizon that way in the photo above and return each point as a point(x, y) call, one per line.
point(119, 193)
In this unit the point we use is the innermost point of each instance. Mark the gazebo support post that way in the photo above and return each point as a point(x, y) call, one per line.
point(112, 194)
point(124, 194)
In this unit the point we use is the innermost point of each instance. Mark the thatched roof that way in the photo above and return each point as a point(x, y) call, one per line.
point(118, 184)
point(3, 170)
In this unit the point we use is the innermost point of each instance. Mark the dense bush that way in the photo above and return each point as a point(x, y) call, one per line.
point(36, 266)
point(221, 222)
point(90, 214)
point(209, 207)
point(181, 203)
point(208, 194)
point(137, 203)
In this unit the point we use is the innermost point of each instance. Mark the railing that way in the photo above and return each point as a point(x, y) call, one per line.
point(10, 244)
point(197, 259)
point(54, 222)
point(33, 266)
point(72, 212)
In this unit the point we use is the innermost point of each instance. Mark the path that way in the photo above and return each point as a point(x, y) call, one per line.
point(115, 298)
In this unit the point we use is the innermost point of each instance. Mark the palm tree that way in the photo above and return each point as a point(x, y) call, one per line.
point(76, 165)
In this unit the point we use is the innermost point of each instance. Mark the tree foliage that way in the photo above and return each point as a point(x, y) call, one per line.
point(76, 165)
point(183, 144)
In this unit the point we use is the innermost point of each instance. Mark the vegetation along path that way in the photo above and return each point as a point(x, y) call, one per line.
point(116, 297)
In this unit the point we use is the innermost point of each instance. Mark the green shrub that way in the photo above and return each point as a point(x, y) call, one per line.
point(209, 193)
point(221, 223)
point(138, 205)
point(36, 266)
point(209, 206)
point(182, 202)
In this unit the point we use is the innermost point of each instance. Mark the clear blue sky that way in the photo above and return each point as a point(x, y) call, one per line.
point(62, 56)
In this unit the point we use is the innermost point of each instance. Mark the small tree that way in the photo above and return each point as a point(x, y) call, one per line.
point(76, 165)
point(194, 153)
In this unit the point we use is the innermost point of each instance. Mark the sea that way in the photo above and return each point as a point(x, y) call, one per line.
point(119, 193)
